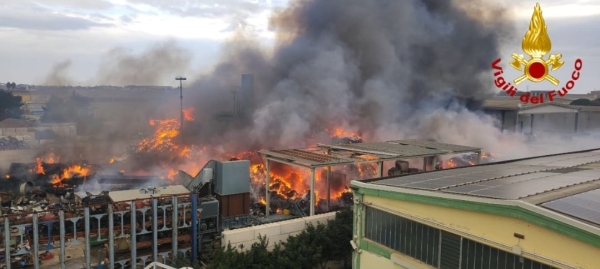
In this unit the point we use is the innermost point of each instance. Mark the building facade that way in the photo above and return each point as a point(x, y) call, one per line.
point(548, 118)
point(535, 213)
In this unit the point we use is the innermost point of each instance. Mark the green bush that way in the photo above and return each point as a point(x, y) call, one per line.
point(313, 247)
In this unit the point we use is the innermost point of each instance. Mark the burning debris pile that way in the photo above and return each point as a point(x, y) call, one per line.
point(11, 143)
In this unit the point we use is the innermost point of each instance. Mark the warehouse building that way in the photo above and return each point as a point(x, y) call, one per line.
point(541, 212)
point(555, 117)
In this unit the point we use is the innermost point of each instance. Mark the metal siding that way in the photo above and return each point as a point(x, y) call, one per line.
point(210, 208)
point(233, 177)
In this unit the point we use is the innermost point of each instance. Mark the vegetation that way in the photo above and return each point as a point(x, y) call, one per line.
point(11, 85)
point(585, 102)
point(10, 105)
point(75, 109)
point(312, 248)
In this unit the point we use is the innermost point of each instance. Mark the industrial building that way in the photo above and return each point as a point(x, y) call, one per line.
point(549, 118)
point(130, 224)
point(541, 212)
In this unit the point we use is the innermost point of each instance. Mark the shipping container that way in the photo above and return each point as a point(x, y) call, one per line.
point(234, 205)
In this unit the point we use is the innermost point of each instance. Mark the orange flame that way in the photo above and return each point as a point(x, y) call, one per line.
point(39, 169)
point(112, 160)
point(188, 114)
point(340, 132)
point(69, 172)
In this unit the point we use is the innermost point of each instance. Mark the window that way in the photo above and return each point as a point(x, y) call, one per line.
point(476, 255)
point(403, 235)
point(422, 242)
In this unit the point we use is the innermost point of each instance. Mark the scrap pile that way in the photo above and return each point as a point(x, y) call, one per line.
point(11, 143)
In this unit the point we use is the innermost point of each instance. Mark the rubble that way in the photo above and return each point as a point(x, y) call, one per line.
point(11, 143)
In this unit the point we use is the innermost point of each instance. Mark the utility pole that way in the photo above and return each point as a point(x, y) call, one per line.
point(181, 103)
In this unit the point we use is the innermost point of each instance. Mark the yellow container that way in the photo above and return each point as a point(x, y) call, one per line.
point(286, 212)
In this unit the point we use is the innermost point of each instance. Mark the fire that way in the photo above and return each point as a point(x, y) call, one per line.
point(112, 160)
point(69, 172)
point(164, 136)
point(38, 169)
point(166, 143)
point(171, 175)
point(188, 114)
point(450, 163)
point(7, 176)
point(293, 183)
point(340, 132)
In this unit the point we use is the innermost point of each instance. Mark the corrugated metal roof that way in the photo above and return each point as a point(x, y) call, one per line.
point(341, 154)
point(512, 180)
point(147, 193)
point(568, 184)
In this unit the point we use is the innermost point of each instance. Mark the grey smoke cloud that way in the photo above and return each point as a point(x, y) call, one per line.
point(150, 67)
point(58, 75)
point(372, 66)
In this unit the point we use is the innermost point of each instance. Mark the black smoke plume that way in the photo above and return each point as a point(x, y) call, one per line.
point(375, 67)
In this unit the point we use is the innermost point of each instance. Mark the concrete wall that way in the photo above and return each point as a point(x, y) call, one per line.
point(28, 133)
point(275, 232)
point(10, 156)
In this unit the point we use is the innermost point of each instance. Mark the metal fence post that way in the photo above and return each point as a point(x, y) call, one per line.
point(88, 252)
point(111, 237)
point(175, 223)
point(154, 230)
point(133, 225)
point(61, 220)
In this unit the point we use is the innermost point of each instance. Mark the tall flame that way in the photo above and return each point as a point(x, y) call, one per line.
point(536, 42)
point(39, 169)
point(188, 114)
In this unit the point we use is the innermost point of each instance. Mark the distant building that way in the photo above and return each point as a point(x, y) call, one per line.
point(552, 117)
point(536, 213)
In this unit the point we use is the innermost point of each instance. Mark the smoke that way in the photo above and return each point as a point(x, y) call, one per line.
point(384, 69)
point(122, 67)
point(380, 68)
point(58, 74)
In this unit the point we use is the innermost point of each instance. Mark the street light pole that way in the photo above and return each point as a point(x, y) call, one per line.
point(181, 103)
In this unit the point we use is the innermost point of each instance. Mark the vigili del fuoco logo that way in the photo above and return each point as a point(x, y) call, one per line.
point(536, 44)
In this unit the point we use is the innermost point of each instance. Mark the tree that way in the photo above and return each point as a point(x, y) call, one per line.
point(339, 232)
point(585, 102)
point(581, 102)
point(313, 247)
point(10, 105)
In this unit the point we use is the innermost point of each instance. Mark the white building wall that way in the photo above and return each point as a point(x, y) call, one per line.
point(275, 232)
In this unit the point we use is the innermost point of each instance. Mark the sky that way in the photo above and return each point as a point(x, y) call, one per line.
point(37, 35)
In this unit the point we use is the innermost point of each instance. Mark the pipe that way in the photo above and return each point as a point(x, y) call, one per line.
point(36, 246)
point(194, 228)
point(328, 188)
point(174, 225)
point(61, 216)
point(312, 192)
point(267, 183)
point(380, 169)
point(7, 241)
point(133, 247)
point(111, 238)
point(154, 230)
point(88, 251)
